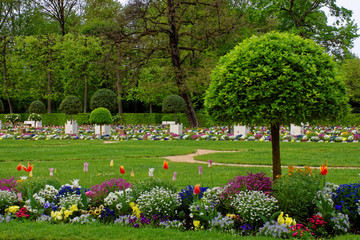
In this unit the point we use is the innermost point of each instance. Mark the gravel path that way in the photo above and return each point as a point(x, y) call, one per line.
point(189, 158)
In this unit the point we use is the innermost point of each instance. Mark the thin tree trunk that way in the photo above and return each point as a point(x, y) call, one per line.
point(49, 77)
point(179, 73)
point(118, 81)
point(85, 92)
point(5, 75)
point(275, 142)
point(150, 106)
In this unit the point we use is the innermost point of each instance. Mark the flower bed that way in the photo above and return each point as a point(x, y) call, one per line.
point(299, 204)
point(162, 133)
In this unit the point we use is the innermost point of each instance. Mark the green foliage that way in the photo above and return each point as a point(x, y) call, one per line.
point(104, 98)
point(1, 106)
point(141, 118)
point(169, 117)
point(71, 105)
point(35, 117)
point(35, 184)
point(350, 70)
point(295, 193)
point(146, 185)
point(100, 116)
point(173, 104)
point(37, 107)
point(258, 82)
point(13, 118)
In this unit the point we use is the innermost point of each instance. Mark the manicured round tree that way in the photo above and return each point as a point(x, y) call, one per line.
point(2, 109)
point(37, 107)
point(71, 105)
point(173, 104)
point(275, 79)
point(100, 116)
point(104, 98)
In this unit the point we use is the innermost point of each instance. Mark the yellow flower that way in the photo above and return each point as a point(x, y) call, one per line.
point(97, 211)
point(91, 212)
point(196, 223)
point(74, 208)
point(280, 219)
point(12, 209)
point(67, 213)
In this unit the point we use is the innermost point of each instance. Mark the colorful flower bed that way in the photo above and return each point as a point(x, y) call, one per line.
point(162, 133)
point(300, 204)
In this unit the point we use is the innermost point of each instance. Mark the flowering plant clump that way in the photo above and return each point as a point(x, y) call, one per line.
point(6, 199)
point(35, 117)
point(8, 184)
point(99, 192)
point(13, 117)
point(255, 182)
point(318, 226)
point(274, 229)
point(252, 206)
point(48, 193)
point(203, 211)
point(222, 223)
point(340, 223)
point(346, 200)
point(327, 192)
point(64, 214)
point(159, 201)
point(187, 196)
point(119, 201)
point(83, 219)
point(299, 231)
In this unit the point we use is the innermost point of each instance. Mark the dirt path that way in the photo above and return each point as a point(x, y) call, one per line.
point(189, 158)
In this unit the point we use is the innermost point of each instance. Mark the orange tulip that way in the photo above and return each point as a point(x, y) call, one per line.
point(122, 170)
point(19, 167)
point(28, 168)
point(166, 165)
point(323, 170)
point(197, 189)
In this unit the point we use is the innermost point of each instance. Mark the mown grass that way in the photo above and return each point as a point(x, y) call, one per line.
point(68, 158)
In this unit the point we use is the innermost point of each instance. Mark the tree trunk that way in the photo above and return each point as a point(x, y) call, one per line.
point(85, 92)
point(118, 81)
point(176, 61)
point(5, 75)
point(150, 107)
point(49, 76)
point(275, 142)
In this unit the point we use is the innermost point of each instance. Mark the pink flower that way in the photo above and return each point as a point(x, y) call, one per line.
point(210, 164)
point(200, 170)
point(86, 164)
point(19, 196)
point(174, 176)
point(51, 172)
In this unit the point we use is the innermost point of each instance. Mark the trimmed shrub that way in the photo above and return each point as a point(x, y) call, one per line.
point(100, 116)
point(104, 98)
point(71, 105)
point(37, 107)
point(173, 104)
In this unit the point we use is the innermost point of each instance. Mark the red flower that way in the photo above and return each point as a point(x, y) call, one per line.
point(19, 167)
point(166, 165)
point(323, 170)
point(197, 189)
point(28, 168)
point(122, 170)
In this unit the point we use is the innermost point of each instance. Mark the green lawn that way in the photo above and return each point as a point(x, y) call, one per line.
point(68, 158)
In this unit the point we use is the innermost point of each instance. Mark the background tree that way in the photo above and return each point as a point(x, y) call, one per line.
point(104, 98)
point(308, 19)
point(275, 79)
point(174, 104)
point(37, 107)
point(350, 71)
point(2, 109)
point(71, 105)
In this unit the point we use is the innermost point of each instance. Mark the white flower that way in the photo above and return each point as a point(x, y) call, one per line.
point(23, 178)
point(75, 183)
point(151, 172)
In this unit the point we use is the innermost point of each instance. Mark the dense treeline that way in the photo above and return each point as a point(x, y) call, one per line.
point(146, 50)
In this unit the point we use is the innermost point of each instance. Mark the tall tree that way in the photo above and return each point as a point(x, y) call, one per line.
point(60, 10)
point(308, 19)
point(350, 71)
point(182, 28)
point(261, 79)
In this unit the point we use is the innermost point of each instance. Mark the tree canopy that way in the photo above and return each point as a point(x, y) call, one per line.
point(275, 79)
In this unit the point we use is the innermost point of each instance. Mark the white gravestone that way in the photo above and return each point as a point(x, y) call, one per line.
point(241, 130)
point(71, 128)
point(176, 128)
point(296, 130)
point(103, 130)
point(31, 123)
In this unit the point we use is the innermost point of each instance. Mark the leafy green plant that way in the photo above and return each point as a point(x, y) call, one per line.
point(100, 116)
point(173, 104)
point(296, 192)
point(71, 105)
point(104, 98)
point(37, 107)
point(35, 117)
point(35, 184)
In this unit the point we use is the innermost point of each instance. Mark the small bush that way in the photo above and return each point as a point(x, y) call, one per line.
point(173, 104)
point(296, 191)
point(100, 116)
point(71, 105)
point(37, 107)
point(104, 98)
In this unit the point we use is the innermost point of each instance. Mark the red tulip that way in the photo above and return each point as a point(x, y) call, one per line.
point(28, 168)
point(122, 170)
point(323, 170)
point(166, 165)
point(19, 167)
point(197, 189)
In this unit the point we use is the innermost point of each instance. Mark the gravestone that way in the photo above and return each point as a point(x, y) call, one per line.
point(296, 130)
point(71, 128)
point(176, 128)
point(103, 130)
point(241, 130)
